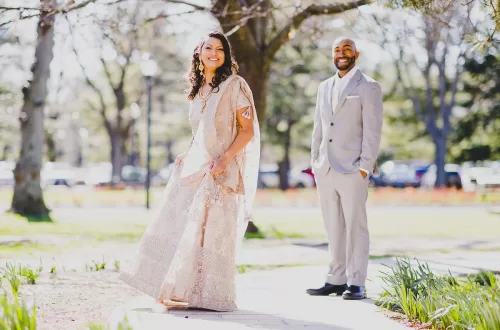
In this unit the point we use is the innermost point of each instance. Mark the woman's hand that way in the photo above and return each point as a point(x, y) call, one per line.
point(180, 159)
point(219, 165)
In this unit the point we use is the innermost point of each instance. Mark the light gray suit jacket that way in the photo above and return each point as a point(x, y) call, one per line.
point(348, 138)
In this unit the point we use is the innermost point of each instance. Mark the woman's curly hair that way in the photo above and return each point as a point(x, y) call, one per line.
point(222, 73)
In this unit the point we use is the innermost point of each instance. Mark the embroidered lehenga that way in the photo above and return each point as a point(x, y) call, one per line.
point(188, 251)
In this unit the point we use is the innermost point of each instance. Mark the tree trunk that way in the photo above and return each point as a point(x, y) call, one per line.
point(252, 228)
point(116, 155)
point(124, 153)
point(254, 68)
point(284, 165)
point(28, 197)
point(51, 146)
point(170, 154)
point(440, 160)
point(283, 169)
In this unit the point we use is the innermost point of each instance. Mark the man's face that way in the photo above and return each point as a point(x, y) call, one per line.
point(344, 55)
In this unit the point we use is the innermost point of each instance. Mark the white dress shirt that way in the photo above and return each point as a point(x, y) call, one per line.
point(338, 87)
point(340, 84)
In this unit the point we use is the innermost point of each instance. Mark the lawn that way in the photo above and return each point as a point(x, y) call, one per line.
point(101, 224)
point(82, 196)
point(424, 222)
point(391, 222)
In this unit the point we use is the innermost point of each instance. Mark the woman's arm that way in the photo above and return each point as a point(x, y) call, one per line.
point(244, 117)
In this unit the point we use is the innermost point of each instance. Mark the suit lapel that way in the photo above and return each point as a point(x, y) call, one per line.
point(353, 83)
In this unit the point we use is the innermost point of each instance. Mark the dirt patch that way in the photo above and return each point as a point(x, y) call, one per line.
point(72, 300)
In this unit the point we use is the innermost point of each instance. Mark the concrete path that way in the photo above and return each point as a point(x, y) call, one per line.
point(276, 299)
point(268, 300)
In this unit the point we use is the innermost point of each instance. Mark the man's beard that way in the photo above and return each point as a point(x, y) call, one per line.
point(350, 63)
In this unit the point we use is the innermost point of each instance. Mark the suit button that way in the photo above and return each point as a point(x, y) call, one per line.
point(330, 140)
point(331, 124)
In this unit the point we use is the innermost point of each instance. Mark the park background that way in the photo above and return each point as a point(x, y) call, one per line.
point(79, 97)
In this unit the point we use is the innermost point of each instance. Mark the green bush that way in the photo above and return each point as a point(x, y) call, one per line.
point(440, 302)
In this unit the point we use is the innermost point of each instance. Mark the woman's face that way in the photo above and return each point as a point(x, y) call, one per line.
point(212, 54)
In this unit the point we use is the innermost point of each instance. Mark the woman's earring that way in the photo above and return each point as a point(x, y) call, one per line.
point(201, 67)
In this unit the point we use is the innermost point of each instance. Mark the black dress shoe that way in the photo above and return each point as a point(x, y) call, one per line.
point(354, 292)
point(327, 290)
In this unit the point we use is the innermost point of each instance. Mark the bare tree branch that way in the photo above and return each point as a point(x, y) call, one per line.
point(66, 8)
point(132, 42)
point(90, 83)
point(7, 8)
point(411, 92)
point(195, 6)
point(152, 19)
point(241, 19)
point(107, 72)
point(298, 19)
point(19, 19)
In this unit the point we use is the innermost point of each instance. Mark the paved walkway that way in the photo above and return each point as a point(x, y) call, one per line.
point(275, 299)
point(269, 300)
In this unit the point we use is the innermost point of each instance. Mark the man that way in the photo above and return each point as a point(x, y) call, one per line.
point(345, 145)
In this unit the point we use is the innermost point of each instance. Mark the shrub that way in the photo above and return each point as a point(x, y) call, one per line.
point(471, 303)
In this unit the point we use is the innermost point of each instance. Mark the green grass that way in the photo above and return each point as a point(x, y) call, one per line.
point(384, 256)
point(21, 249)
point(122, 325)
point(244, 268)
point(14, 314)
point(80, 222)
point(387, 222)
point(45, 218)
point(442, 302)
point(96, 266)
point(15, 271)
point(129, 224)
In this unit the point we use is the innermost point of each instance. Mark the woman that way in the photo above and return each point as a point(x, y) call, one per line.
point(187, 254)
